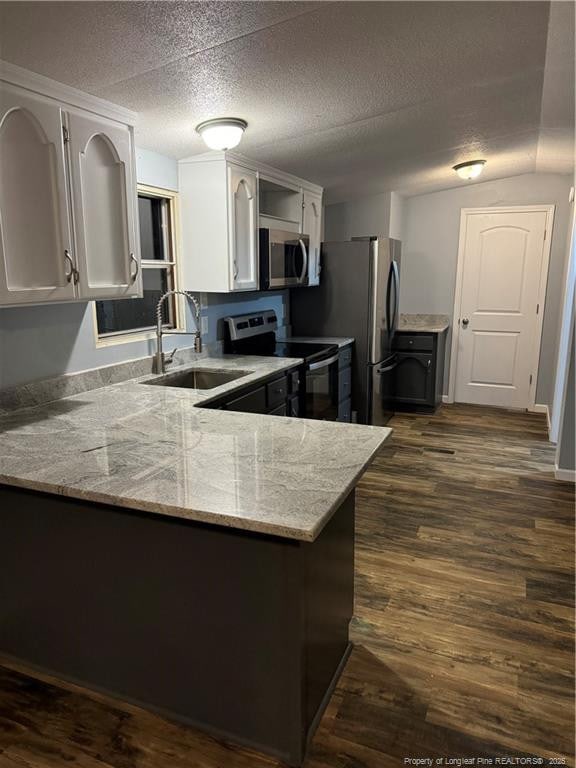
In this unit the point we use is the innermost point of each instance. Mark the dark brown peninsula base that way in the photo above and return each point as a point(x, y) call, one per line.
point(239, 634)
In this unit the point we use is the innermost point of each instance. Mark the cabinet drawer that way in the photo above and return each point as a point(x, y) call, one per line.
point(345, 358)
point(345, 411)
point(414, 342)
point(277, 392)
point(344, 384)
point(280, 411)
point(252, 402)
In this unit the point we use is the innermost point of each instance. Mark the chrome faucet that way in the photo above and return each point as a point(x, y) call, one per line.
point(163, 360)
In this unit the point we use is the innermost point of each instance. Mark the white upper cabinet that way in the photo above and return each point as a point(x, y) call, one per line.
point(35, 236)
point(224, 199)
point(312, 226)
point(243, 228)
point(68, 200)
point(104, 208)
point(219, 221)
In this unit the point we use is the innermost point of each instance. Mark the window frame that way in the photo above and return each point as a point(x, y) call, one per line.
point(145, 334)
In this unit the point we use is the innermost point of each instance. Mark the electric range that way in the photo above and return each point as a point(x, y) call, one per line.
point(255, 334)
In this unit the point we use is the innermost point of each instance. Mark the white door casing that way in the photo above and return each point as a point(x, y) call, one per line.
point(243, 227)
point(104, 201)
point(499, 303)
point(35, 230)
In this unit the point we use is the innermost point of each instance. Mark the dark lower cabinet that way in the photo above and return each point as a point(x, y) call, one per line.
point(240, 634)
point(251, 402)
point(345, 410)
point(280, 395)
point(419, 372)
point(345, 384)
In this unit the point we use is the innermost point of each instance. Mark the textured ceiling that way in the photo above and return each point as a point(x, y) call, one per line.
point(360, 97)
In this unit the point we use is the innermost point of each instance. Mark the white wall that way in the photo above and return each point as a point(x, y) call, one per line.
point(397, 214)
point(430, 250)
point(156, 170)
point(358, 218)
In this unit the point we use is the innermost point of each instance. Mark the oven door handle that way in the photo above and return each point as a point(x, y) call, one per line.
point(323, 363)
point(305, 260)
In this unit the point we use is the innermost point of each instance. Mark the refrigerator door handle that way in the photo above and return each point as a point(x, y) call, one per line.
point(388, 292)
point(396, 292)
point(388, 368)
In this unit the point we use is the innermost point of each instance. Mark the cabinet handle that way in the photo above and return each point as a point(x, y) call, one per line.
point(235, 269)
point(73, 275)
point(134, 275)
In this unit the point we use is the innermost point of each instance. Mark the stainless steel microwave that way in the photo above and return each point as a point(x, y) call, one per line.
point(283, 259)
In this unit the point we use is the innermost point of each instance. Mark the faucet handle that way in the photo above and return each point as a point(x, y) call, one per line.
point(169, 356)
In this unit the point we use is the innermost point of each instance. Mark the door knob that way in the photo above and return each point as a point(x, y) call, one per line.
point(465, 321)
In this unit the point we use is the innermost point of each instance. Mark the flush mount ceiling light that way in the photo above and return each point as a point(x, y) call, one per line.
point(222, 132)
point(469, 170)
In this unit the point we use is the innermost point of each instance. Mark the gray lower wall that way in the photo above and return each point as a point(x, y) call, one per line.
point(45, 341)
point(566, 454)
point(430, 250)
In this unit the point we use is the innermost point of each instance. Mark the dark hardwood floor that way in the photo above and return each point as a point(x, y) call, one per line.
point(463, 631)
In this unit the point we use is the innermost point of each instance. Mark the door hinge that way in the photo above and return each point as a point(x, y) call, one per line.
point(65, 134)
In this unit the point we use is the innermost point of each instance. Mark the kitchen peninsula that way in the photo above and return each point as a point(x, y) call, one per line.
point(197, 562)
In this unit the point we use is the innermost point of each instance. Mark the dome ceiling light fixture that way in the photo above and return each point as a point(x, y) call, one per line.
point(222, 132)
point(470, 169)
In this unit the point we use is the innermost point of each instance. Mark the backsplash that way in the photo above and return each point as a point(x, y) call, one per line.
point(217, 306)
point(65, 385)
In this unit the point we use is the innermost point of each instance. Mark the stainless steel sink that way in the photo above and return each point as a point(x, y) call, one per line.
point(203, 378)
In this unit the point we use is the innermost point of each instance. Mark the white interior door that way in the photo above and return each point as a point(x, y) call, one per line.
point(499, 323)
point(35, 235)
point(104, 201)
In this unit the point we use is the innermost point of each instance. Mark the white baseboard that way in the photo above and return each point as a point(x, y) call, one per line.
point(538, 408)
point(542, 408)
point(566, 475)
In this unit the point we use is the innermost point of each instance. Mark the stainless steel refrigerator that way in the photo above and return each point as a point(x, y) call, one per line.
point(358, 296)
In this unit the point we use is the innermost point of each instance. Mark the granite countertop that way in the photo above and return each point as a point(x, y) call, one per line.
point(423, 323)
point(341, 341)
point(150, 448)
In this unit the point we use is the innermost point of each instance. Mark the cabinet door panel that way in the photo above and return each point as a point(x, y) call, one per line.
point(35, 230)
point(243, 213)
point(414, 379)
point(312, 226)
point(104, 198)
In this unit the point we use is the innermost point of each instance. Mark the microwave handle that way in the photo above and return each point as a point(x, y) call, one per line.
point(305, 264)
